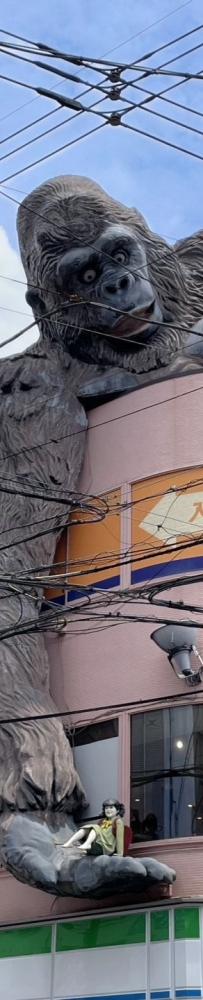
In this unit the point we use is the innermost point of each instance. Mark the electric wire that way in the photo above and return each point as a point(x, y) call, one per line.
point(116, 564)
point(49, 130)
point(167, 253)
point(98, 86)
point(131, 38)
point(109, 420)
point(119, 508)
point(15, 111)
point(164, 142)
point(160, 48)
point(153, 97)
point(18, 312)
point(122, 706)
point(47, 156)
point(113, 309)
point(174, 121)
point(188, 581)
point(132, 107)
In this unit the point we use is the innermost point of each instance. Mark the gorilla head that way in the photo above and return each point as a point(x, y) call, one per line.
point(115, 293)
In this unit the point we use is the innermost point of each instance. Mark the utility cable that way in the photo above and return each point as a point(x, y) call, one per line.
point(131, 38)
point(164, 142)
point(107, 119)
point(103, 423)
point(123, 706)
point(167, 252)
point(54, 152)
point(162, 323)
point(48, 131)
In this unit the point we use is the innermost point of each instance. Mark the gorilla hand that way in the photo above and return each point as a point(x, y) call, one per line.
point(30, 852)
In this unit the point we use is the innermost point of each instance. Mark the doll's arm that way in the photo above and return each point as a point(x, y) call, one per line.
point(120, 837)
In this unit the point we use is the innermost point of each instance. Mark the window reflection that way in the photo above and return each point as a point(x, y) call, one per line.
point(167, 773)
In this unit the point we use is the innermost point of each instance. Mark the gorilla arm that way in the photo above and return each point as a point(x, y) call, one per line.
point(39, 787)
point(42, 444)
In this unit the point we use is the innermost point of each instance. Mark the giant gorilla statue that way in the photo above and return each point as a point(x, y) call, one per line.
point(115, 307)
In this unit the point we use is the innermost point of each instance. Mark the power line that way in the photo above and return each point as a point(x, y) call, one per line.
point(31, 124)
point(164, 142)
point(20, 281)
point(136, 107)
point(72, 78)
point(107, 53)
point(122, 561)
point(160, 69)
point(29, 142)
point(184, 107)
point(17, 311)
point(162, 323)
point(168, 100)
point(83, 329)
point(173, 41)
point(152, 25)
point(131, 38)
point(42, 117)
point(69, 303)
point(155, 71)
point(59, 150)
point(33, 99)
point(119, 507)
point(72, 102)
point(125, 705)
point(77, 79)
point(103, 423)
point(174, 121)
point(67, 102)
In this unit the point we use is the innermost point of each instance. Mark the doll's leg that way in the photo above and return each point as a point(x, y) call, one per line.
point(78, 835)
point(90, 840)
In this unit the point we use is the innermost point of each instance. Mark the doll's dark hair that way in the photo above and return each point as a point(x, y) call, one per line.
point(113, 802)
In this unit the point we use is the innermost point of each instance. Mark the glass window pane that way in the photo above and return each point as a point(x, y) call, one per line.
point(167, 773)
point(91, 733)
point(95, 750)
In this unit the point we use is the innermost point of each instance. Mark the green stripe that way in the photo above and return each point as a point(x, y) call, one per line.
point(186, 922)
point(25, 941)
point(101, 932)
point(159, 926)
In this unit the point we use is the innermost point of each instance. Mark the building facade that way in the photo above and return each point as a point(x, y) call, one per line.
point(136, 728)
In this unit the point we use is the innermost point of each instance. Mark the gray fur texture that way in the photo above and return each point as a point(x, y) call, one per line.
point(43, 429)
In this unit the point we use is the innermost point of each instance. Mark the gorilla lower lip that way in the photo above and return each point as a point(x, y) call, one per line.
point(132, 324)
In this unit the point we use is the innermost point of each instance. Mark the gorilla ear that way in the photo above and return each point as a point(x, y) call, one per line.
point(35, 301)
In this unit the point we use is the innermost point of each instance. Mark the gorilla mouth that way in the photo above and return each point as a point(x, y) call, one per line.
point(130, 325)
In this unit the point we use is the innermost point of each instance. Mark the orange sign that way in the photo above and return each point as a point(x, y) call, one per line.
point(167, 525)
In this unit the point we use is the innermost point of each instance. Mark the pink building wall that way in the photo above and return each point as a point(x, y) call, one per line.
point(145, 433)
point(148, 432)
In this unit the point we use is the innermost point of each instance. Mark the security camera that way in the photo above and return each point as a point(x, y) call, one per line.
point(178, 641)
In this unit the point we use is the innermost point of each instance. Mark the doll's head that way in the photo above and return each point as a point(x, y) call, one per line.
point(112, 808)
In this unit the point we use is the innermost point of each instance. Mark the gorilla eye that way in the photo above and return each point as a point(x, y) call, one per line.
point(120, 256)
point(89, 275)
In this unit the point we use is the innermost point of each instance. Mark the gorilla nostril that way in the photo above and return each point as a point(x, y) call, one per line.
point(112, 289)
point(119, 285)
point(124, 281)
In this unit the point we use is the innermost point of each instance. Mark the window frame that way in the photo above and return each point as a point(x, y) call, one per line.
point(180, 702)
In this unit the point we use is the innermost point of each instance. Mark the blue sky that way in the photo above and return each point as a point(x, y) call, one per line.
point(164, 184)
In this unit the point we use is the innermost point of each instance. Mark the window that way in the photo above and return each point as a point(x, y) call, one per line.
point(95, 750)
point(97, 731)
point(153, 510)
point(94, 547)
point(167, 773)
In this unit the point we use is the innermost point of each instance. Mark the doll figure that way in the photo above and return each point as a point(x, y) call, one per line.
point(104, 837)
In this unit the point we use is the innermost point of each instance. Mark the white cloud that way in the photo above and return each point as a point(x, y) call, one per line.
point(12, 297)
